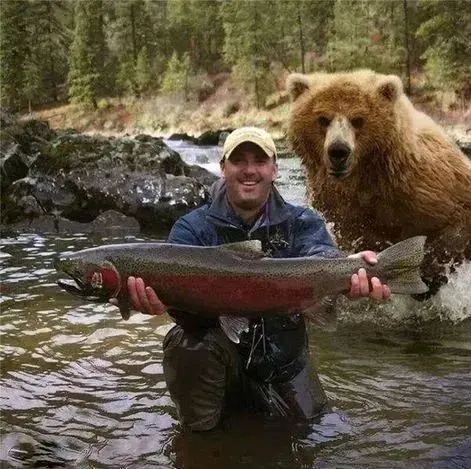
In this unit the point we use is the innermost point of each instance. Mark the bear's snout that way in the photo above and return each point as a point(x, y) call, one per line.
point(338, 155)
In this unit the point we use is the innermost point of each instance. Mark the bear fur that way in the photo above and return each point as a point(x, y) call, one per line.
point(380, 169)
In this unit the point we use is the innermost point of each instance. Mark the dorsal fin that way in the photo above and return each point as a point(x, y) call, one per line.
point(251, 249)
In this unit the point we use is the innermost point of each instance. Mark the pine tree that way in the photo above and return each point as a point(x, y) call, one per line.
point(367, 34)
point(87, 53)
point(143, 77)
point(448, 53)
point(247, 30)
point(13, 52)
point(195, 28)
point(176, 77)
point(46, 68)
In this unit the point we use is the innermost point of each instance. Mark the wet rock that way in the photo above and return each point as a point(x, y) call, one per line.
point(77, 177)
point(212, 137)
point(13, 165)
point(184, 137)
point(115, 223)
point(202, 159)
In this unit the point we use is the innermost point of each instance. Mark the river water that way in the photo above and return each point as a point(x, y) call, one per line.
point(82, 388)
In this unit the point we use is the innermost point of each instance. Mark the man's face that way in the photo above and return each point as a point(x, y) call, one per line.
point(249, 173)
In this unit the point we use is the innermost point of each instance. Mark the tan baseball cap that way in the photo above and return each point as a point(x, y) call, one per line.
point(249, 134)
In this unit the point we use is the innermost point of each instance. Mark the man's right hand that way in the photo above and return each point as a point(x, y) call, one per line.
point(143, 299)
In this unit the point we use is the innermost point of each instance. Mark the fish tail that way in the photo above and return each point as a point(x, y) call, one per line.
point(401, 265)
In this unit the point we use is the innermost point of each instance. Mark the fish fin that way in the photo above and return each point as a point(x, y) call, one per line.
point(233, 326)
point(323, 312)
point(251, 249)
point(124, 307)
point(402, 262)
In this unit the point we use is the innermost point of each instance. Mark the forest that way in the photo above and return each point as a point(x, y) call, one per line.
point(81, 51)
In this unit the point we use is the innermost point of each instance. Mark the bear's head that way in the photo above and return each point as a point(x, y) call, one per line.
point(342, 121)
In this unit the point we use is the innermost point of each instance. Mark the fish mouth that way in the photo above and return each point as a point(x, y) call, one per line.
point(75, 286)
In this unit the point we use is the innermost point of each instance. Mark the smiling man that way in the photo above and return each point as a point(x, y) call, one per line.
point(269, 370)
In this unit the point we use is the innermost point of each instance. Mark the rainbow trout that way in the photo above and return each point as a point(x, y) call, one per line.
point(232, 280)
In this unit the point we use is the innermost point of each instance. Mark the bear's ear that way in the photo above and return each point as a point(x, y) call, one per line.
point(390, 87)
point(297, 84)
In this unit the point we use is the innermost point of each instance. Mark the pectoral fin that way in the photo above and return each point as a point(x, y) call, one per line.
point(124, 307)
point(234, 326)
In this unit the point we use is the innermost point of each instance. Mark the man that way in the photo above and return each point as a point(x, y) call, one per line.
point(269, 370)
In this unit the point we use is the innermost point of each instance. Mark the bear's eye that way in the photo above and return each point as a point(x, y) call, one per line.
point(357, 122)
point(323, 121)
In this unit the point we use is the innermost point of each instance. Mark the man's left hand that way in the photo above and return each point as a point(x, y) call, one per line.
point(360, 285)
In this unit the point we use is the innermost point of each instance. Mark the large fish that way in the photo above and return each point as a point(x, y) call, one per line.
point(233, 280)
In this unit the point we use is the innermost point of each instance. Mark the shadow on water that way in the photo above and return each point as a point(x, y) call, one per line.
point(248, 441)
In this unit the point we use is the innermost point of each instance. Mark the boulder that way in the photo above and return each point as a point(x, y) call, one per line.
point(71, 177)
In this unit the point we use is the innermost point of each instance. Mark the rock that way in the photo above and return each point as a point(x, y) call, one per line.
point(13, 165)
point(212, 137)
point(109, 223)
point(77, 178)
point(184, 137)
point(202, 159)
point(115, 223)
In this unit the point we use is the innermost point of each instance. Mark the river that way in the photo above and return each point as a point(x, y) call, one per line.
point(81, 388)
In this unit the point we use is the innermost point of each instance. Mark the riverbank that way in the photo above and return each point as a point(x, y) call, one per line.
point(227, 107)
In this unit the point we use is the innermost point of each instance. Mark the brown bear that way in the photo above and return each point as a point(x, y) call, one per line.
point(378, 168)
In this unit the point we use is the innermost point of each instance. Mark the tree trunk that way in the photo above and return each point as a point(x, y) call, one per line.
point(301, 40)
point(407, 46)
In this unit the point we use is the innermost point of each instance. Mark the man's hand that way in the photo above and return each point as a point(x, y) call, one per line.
point(360, 286)
point(143, 299)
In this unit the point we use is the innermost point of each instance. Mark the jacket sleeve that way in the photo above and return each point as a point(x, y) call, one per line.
point(183, 232)
point(311, 237)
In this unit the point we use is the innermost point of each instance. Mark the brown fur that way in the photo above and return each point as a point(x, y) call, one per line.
point(403, 177)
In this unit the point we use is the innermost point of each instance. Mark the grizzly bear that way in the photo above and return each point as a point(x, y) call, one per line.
point(380, 169)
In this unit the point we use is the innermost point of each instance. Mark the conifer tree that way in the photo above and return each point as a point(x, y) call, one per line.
point(246, 26)
point(143, 77)
point(367, 34)
point(176, 77)
point(447, 30)
point(13, 51)
point(87, 53)
point(46, 67)
point(132, 32)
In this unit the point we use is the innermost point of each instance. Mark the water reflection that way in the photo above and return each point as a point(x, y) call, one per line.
point(80, 387)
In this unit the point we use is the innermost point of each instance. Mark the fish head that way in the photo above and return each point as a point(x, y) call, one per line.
point(94, 280)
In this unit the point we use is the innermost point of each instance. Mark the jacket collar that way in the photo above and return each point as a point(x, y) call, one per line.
point(276, 209)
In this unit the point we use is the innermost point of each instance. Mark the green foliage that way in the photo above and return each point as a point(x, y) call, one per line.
point(49, 40)
point(177, 75)
point(87, 53)
point(125, 79)
point(366, 34)
point(448, 55)
point(143, 77)
point(13, 50)
point(195, 28)
point(247, 30)
point(95, 48)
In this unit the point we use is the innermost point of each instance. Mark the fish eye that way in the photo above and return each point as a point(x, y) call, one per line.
point(323, 121)
point(357, 122)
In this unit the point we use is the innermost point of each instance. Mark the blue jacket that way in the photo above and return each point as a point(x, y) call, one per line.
point(284, 230)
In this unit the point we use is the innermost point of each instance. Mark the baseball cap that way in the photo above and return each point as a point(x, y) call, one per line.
point(249, 134)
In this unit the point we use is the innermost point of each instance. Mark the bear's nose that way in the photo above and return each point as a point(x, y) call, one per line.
point(338, 153)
